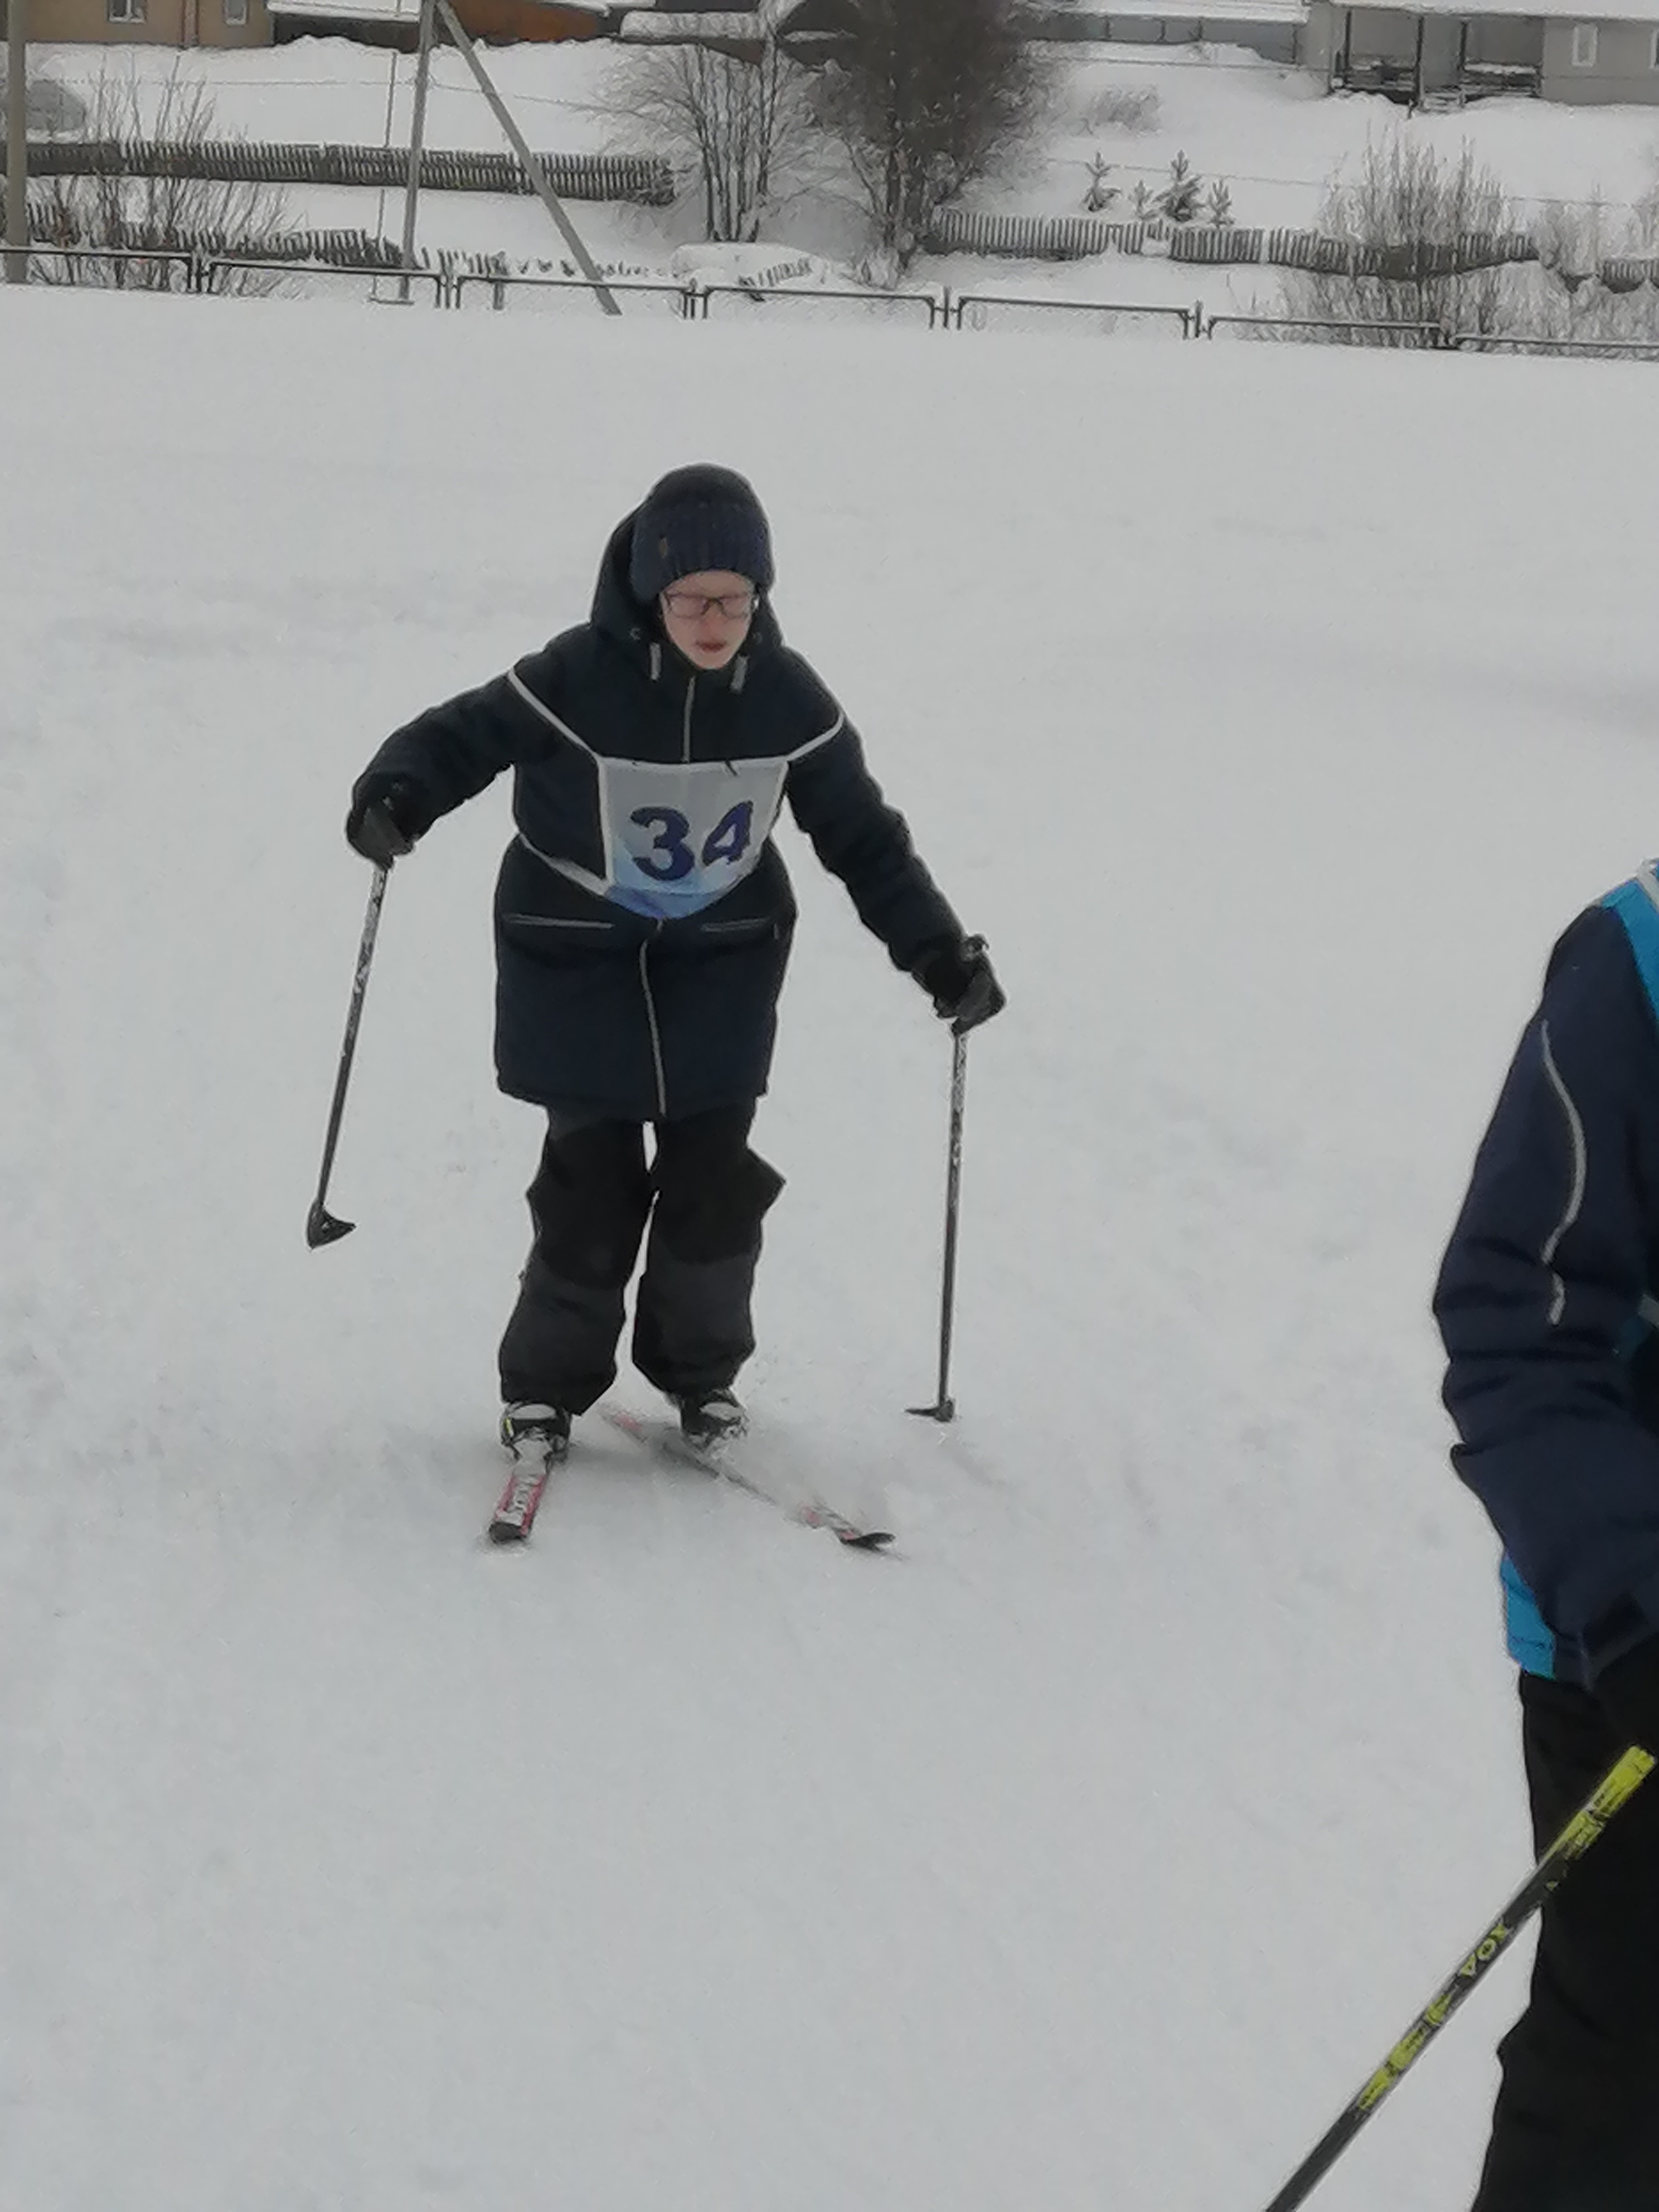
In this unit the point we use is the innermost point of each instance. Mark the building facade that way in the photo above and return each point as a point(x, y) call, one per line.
point(254, 23)
point(1436, 54)
point(1272, 29)
point(150, 22)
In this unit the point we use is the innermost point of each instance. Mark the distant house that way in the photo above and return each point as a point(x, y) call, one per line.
point(741, 30)
point(150, 22)
point(265, 23)
point(396, 22)
point(1437, 53)
point(1272, 29)
point(805, 29)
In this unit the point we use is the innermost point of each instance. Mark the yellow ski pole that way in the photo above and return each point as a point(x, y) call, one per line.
point(1616, 1788)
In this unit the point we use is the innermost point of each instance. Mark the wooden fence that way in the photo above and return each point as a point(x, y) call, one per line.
point(1411, 260)
point(1078, 237)
point(1030, 237)
point(1188, 242)
point(645, 179)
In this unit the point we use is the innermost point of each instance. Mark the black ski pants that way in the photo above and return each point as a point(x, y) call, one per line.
point(1576, 2124)
point(704, 1193)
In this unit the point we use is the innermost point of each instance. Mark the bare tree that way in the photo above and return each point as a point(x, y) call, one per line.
point(926, 95)
point(108, 212)
point(742, 125)
point(1418, 242)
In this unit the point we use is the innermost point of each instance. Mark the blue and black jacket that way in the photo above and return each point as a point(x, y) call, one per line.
point(1546, 1302)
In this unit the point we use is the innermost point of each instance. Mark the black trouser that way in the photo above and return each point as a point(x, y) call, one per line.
point(1577, 2126)
point(704, 1193)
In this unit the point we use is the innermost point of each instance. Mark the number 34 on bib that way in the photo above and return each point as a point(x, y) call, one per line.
point(678, 838)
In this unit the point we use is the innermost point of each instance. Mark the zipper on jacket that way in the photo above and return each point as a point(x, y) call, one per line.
point(656, 1033)
point(690, 693)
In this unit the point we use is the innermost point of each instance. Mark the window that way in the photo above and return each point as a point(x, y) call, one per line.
point(235, 15)
point(1583, 45)
point(1654, 57)
point(124, 11)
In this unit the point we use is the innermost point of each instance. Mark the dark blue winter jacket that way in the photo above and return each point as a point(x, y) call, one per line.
point(1546, 1302)
point(642, 913)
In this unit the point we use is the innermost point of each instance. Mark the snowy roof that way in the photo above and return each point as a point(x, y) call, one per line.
point(394, 11)
point(657, 23)
point(359, 11)
point(1514, 11)
point(1191, 11)
point(1529, 11)
point(766, 15)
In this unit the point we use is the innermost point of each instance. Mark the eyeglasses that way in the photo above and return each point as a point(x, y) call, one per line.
point(692, 606)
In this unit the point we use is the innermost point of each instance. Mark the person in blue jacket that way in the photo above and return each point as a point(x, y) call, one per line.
point(1547, 1301)
point(643, 916)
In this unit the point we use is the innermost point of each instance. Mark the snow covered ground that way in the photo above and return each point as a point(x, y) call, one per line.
point(1271, 134)
point(1270, 709)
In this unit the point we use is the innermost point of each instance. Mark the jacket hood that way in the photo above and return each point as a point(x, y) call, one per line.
point(639, 630)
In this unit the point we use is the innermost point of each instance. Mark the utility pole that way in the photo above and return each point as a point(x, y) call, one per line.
point(417, 135)
point(17, 144)
point(532, 168)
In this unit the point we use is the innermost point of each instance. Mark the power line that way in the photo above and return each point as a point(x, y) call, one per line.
point(1154, 58)
point(316, 84)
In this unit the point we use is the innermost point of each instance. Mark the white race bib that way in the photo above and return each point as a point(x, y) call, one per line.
point(678, 835)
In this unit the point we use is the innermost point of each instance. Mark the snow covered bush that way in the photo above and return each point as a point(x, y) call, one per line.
point(1422, 242)
point(1593, 282)
point(1122, 107)
point(742, 126)
point(1420, 231)
point(1177, 201)
point(54, 111)
point(1100, 195)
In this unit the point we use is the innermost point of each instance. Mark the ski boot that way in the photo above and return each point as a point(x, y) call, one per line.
point(709, 1419)
point(530, 1430)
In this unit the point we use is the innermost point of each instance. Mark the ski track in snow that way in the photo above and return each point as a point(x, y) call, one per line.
point(1091, 1852)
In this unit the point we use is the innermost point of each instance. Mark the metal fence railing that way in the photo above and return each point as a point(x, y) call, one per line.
point(1433, 337)
point(1602, 348)
point(303, 279)
point(500, 286)
point(382, 280)
point(115, 269)
point(891, 307)
point(980, 310)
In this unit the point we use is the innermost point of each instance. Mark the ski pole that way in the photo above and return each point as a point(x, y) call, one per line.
point(1616, 1788)
point(321, 1227)
point(944, 1408)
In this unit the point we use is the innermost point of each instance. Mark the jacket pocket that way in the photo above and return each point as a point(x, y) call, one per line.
point(560, 943)
point(757, 926)
point(559, 921)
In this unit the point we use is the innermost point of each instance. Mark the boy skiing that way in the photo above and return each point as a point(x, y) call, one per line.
point(1546, 1303)
point(643, 918)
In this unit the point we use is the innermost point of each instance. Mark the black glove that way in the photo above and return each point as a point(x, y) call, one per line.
point(959, 977)
point(387, 814)
point(1628, 1693)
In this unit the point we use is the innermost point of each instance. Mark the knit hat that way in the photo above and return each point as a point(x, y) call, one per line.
point(697, 518)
